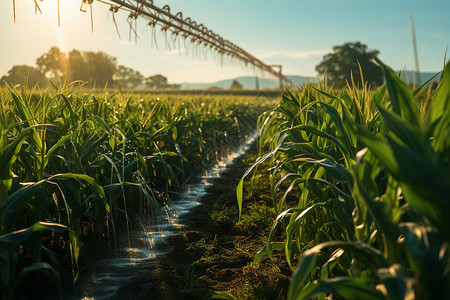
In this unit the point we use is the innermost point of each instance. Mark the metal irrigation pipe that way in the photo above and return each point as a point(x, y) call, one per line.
point(198, 32)
point(176, 24)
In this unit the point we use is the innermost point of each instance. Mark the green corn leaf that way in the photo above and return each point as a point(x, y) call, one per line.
point(240, 186)
point(341, 132)
point(429, 256)
point(331, 262)
point(280, 205)
point(297, 179)
point(335, 116)
point(22, 197)
point(441, 101)
point(112, 142)
point(102, 123)
point(402, 99)
point(426, 249)
point(305, 265)
point(325, 93)
point(20, 236)
point(378, 96)
point(342, 286)
point(398, 284)
point(150, 197)
point(88, 180)
point(17, 201)
point(292, 149)
point(377, 210)
point(340, 173)
point(277, 246)
point(347, 121)
point(285, 214)
point(345, 287)
point(23, 235)
point(58, 144)
point(239, 193)
point(23, 109)
point(424, 178)
point(9, 153)
point(320, 133)
point(91, 146)
point(43, 268)
point(409, 135)
point(417, 90)
point(425, 183)
point(439, 115)
point(71, 112)
point(370, 256)
point(380, 148)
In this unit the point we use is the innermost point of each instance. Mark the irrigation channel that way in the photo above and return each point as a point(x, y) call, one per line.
point(105, 276)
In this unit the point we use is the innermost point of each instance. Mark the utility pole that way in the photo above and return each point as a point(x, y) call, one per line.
point(416, 56)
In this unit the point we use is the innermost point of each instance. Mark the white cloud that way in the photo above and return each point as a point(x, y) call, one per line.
point(300, 54)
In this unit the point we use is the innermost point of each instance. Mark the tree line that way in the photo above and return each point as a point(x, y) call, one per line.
point(92, 69)
point(98, 69)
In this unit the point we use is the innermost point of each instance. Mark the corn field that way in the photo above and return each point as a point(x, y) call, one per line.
point(360, 181)
point(360, 178)
point(77, 164)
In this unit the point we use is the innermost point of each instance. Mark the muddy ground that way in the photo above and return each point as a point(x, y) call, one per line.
point(212, 255)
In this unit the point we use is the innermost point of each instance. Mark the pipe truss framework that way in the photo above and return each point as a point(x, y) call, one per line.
point(190, 30)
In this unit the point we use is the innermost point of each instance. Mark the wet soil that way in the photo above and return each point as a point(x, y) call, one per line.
point(212, 255)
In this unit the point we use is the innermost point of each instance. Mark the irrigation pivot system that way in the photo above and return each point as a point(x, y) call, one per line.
point(180, 26)
point(187, 29)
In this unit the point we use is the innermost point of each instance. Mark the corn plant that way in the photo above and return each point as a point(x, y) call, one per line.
point(371, 175)
point(75, 164)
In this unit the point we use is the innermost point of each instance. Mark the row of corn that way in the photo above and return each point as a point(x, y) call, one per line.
point(360, 180)
point(75, 164)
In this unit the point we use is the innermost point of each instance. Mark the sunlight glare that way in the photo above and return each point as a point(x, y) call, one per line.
point(57, 15)
point(60, 8)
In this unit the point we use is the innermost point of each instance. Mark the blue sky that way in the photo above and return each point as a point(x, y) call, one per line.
point(294, 33)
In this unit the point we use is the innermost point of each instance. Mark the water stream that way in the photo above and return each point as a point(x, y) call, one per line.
point(144, 246)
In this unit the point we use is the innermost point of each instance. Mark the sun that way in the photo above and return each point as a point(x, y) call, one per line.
point(57, 14)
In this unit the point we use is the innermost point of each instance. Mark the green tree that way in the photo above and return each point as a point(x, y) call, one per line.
point(174, 86)
point(128, 78)
point(236, 85)
point(53, 64)
point(95, 68)
point(157, 81)
point(25, 75)
point(76, 66)
point(342, 63)
point(100, 68)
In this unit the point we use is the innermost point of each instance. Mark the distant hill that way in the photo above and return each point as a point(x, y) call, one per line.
point(249, 82)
